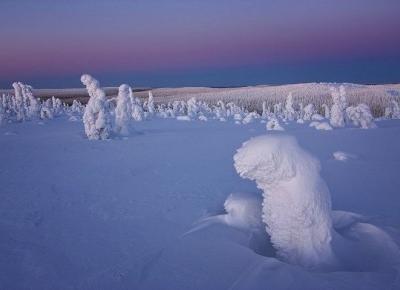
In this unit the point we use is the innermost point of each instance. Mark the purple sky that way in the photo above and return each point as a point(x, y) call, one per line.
point(208, 42)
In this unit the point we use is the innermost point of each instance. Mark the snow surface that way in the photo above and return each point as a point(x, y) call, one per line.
point(140, 212)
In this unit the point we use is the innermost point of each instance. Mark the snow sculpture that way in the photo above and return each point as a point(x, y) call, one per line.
point(297, 205)
point(97, 115)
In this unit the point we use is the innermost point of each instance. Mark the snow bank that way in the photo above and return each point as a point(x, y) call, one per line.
point(323, 126)
point(297, 206)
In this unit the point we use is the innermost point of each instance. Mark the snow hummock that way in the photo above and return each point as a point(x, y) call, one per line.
point(342, 156)
point(289, 178)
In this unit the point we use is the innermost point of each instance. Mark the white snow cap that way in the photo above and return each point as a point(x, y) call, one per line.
point(297, 205)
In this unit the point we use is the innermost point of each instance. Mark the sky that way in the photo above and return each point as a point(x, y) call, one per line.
point(49, 43)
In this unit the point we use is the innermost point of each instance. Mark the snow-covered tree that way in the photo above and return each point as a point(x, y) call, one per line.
point(26, 106)
point(338, 107)
point(289, 112)
point(393, 111)
point(56, 106)
point(137, 109)
point(265, 110)
point(308, 112)
point(150, 104)
point(249, 118)
point(273, 125)
point(361, 115)
point(220, 111)
point(123, 110)
point(327, 111)
point(192, 108)
point(290, 179)
point(97, 116)
point(77, 107)
point(46, 110)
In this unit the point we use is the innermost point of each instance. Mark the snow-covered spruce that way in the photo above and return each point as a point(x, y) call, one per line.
point(123, 110)
point(273, 125)
point(25, 105)
point(297, 205)
point(289, 113)
point(360, 116)
point(393, 111)
point(308, 112)
point(338, 107)
point(150, 104)
point(250, 118)
point(97, 116)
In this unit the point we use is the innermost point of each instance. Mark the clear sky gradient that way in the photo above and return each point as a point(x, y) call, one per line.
point(50, 43)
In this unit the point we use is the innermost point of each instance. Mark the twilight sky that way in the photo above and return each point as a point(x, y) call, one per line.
point(50, 43)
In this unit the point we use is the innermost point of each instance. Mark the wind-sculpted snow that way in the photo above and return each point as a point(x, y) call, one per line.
point(296, 206)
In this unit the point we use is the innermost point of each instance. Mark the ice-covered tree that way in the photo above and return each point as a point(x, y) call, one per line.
point(308, 112)
point(192, 108)
point(361, 116)
point(289, 112)
point(150, 104)
point(393, 111)
point(123, 110)
point(137, 109)
point(46, 110)
point(327, 111)
point(249, 118)
point(265, 110)
point(97, 116)
point(26, 106)
point(273, 125)
point(220, 111)
point(297, 205)
point(338, 107)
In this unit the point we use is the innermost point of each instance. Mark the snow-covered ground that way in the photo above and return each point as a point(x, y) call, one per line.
point(164, 207)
